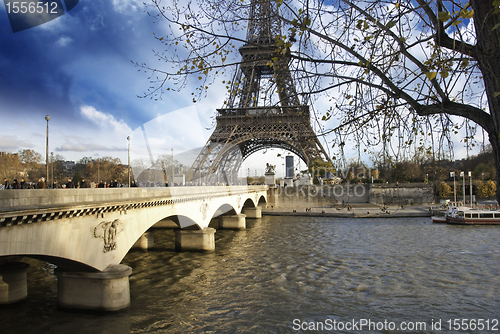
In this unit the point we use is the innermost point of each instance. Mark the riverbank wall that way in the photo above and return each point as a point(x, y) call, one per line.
point(331, 195)
point(402, 193)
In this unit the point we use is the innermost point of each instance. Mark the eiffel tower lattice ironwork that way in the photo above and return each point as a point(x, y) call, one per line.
point(243, 127)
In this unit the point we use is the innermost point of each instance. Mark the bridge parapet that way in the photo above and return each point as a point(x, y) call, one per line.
point(40, 197)
point(36, 205)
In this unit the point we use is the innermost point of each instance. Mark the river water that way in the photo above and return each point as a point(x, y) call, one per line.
point(295, 274)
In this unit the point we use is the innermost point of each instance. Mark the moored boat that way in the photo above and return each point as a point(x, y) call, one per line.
point(474, 217)
point(457, 213)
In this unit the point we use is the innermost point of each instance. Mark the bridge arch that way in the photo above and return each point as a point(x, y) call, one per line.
point(262, 201)
point(223, 209)
point(184, 221)
point(55, 260)
point(249, 203)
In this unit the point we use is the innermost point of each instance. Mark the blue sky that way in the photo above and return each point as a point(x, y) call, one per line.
point(78, 69)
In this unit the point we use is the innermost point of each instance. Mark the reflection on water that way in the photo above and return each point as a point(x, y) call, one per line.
point(284, 268)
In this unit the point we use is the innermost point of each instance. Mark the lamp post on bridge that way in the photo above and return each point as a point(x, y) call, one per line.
point(52, 168)
point(172, 166)
point(47, 118)
point(128, 139)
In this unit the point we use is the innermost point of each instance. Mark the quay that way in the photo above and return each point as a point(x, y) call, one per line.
point(365, 210)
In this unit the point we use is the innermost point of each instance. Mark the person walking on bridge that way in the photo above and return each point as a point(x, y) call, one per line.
point(69, 184)
point(83, 184)
point(41, 183)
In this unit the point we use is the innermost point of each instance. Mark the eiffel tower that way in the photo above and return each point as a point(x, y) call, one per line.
point(243, 127)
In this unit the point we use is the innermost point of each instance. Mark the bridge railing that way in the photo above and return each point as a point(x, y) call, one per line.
point(12, 200)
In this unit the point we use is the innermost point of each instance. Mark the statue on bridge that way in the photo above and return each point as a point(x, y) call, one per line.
point(270, 168)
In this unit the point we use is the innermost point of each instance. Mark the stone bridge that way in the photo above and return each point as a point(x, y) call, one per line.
point(87, 233)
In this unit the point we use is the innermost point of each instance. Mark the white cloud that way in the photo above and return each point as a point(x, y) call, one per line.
point(72, 148)
point(10, 143)
point(63, 41)
point(104, 120)
point(124, 6)
point(180, 129)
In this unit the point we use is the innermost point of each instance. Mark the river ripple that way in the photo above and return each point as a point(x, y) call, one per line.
point(284, 268)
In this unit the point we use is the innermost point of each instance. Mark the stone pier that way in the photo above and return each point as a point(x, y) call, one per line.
point(146, 241)
point(106, 290)
point(253, 212)
point(13, 286)
point(195, 240)
point(232, 222)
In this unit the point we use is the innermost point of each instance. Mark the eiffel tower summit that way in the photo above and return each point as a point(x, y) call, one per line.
point(244, 126)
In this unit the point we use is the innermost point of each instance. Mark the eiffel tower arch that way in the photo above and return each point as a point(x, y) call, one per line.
point(243, 126)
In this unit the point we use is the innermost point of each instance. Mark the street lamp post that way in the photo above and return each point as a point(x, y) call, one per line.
point(462, 174)
point(172, 166)
point(47, 118)
point(52, 167)
point(454, 188)
point(128, 139)
point(470, 178)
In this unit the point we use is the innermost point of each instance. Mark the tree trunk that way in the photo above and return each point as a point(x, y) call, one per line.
point(495, 144)
point(487, 51)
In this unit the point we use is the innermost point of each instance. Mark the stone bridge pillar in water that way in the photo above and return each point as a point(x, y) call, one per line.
point(146, 241)
point(232, 222)
point(106, 290)
point(253, 212)
point(195, 240)
point(13, 286)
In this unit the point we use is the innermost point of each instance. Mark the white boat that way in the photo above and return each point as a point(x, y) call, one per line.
point(464, 215)
point(475, 217)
